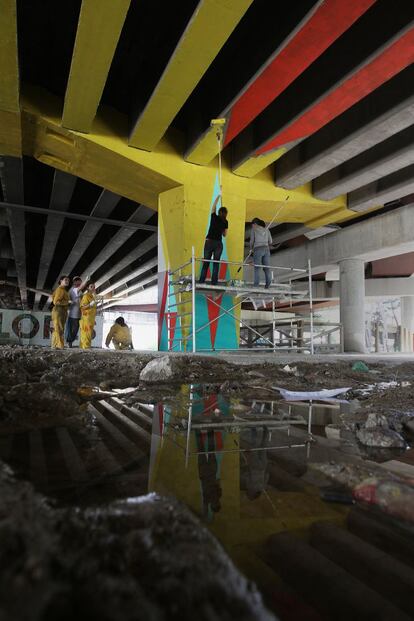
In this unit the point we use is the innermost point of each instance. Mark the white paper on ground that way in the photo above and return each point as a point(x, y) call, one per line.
point(290, 395)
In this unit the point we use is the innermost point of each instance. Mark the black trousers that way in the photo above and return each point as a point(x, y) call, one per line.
point(72, 329)
point(212, 248)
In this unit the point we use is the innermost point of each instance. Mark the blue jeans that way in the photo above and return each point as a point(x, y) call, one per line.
point(261, 256)
point(72, 329)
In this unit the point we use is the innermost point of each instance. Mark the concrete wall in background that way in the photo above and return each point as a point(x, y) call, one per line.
point(29, 328)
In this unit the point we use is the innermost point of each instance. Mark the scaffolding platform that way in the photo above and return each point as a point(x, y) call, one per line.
point(183, 288)
point(246, 289)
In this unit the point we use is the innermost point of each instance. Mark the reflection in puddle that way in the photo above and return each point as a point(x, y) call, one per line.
point(242, 466)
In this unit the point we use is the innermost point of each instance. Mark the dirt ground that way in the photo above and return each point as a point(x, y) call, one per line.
point(121, 561)
point(38, 385)
point(130, 561)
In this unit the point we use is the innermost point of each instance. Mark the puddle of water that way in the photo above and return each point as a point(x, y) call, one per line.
point(241, 466)
point(200, 443)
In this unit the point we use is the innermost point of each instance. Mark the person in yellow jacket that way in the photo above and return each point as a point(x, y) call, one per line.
point(88, 314)
point(60, 301)
point(120, 335)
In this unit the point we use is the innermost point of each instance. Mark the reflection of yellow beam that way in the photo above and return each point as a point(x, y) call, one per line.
point(210, 26)
point(99, 28)
point(10, 132)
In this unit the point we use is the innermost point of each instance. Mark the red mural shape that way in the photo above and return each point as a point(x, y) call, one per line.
point(213, 310)
point(172, 322)
point(161, 313)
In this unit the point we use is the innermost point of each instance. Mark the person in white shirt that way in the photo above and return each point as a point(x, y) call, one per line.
point(260, 244)
point(74, 315)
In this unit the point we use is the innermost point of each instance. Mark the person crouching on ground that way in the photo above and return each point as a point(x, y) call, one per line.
point(213, 246)
point(120, 335)
point(88, 311)
point(60, 301)
point(260, 243)
point(74, 315)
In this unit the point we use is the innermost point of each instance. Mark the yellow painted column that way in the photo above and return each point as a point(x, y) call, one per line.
point(10, 125)
point(198, 466)
point(184, 219)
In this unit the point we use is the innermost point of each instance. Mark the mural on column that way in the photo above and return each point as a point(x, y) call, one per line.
point(216, 329)
point(207, 478)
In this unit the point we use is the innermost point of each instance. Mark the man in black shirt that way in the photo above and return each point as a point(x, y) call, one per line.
point(213, 246)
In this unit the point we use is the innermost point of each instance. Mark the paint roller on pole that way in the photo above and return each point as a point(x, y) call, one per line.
point(267, 228)
point(218, 125)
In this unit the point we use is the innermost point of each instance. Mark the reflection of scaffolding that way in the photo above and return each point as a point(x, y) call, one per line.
point(179, 429)
point(182, 308)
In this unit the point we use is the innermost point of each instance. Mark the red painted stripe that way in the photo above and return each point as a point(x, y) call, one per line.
point(213, 310)
point(331, 19)
point(394, 59)
point(161, 310)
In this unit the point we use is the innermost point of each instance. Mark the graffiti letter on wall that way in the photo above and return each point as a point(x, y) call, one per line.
point(3, 334)
point(25, 326)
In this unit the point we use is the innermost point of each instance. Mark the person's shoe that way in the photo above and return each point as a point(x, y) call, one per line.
point(69, 344)
point(267, 286)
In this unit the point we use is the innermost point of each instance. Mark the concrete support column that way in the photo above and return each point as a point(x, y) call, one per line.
point(407, 323)
point(183, 220)
point(352, 304)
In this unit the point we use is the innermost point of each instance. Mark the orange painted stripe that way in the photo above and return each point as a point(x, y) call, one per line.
point(322, 26)
point(396, 57)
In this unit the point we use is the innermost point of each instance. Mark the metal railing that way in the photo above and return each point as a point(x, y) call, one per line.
point(181, 302)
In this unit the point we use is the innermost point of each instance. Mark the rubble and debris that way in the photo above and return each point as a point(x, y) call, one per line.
point(162, 369)
point(360, 367)
point(292, 370)
point(130, 561)
point(49, 390)
point(394, 497)
point(348, 475)
point(375, 432)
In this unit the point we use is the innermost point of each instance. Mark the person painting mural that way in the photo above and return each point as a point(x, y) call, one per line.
point(119, 335)
point(60, 301)
point(88, 312)
point(260, 243)
point(74, 315)
point(213, 246)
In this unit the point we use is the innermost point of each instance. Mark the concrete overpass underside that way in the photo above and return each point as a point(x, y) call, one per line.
point(105, 111)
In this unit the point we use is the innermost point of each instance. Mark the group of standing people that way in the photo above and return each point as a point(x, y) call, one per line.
point(260, 245)
point(72, 310)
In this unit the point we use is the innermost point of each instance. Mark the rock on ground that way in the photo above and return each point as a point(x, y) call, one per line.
point(376, 432)
point(144, 559)
point(164, 369)
point(185, 369)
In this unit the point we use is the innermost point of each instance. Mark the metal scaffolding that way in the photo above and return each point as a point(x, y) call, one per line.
point(181, 315)
point(180, 429)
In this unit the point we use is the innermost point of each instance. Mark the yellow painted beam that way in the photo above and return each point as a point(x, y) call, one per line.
point(103, 157)
point(205, 150)
point(99, 28)
point(10, 130)
point(210, 26)
point(251, 166)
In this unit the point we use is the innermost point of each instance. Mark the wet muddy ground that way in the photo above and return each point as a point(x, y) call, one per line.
point(86, 432)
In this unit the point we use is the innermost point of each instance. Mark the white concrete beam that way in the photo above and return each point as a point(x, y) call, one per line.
point(387, 235)
point(374, 288)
